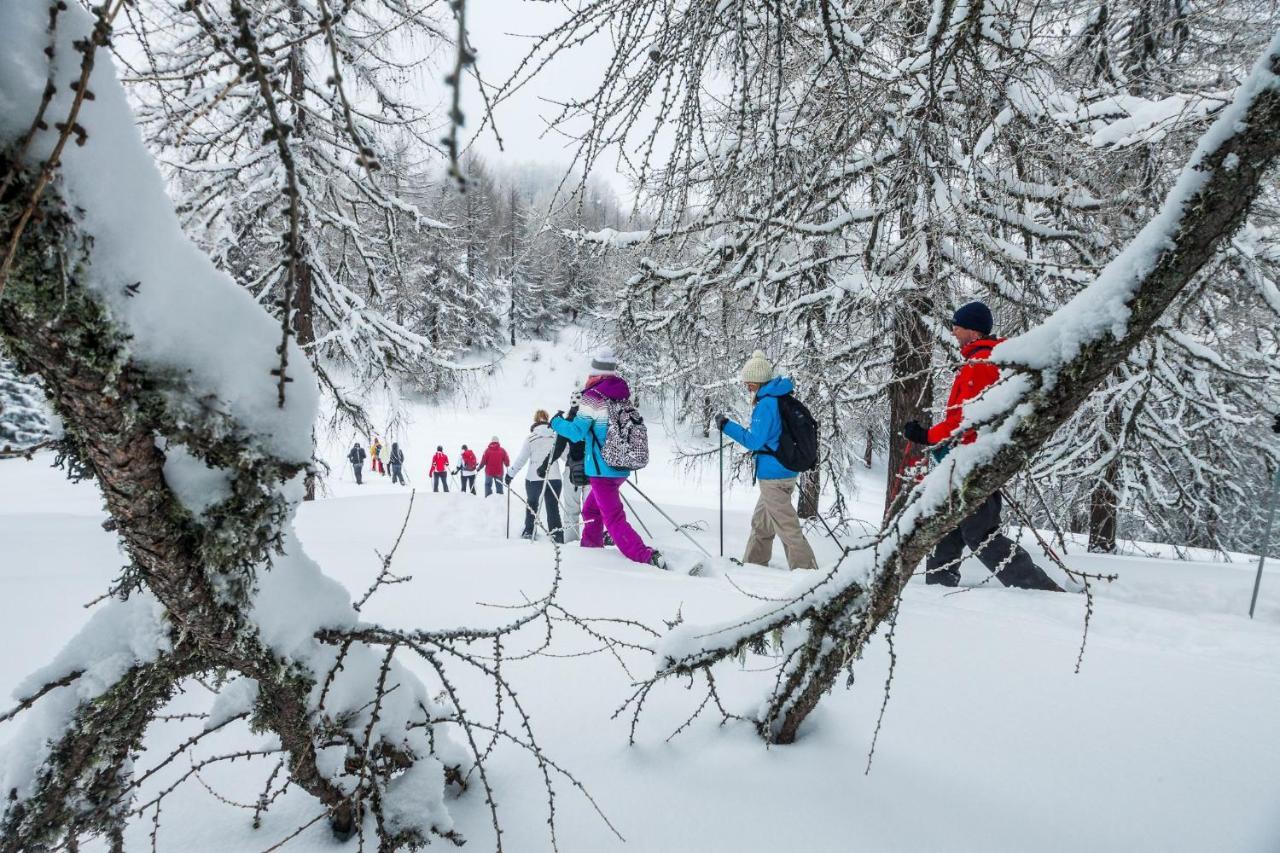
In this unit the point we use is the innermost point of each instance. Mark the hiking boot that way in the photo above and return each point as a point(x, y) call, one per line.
point(656, 559)
point(526, 535)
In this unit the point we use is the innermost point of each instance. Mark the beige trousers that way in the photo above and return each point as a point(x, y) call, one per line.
point(775, 515)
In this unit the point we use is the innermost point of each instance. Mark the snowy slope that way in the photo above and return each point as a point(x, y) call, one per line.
point(1165, 741)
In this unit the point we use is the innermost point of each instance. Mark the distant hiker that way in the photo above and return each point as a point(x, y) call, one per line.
point(466, 471)
point(1012, 565)
point(575, 481)
point(397, 464)
point(356, 457)
point(439, 470)
point(495, 461)
point(604, 418)
point(539, 478)
point(774, 513)
point(375, 449)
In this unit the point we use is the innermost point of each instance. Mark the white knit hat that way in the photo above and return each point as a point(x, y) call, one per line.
point(605, 363)
point(757, 369)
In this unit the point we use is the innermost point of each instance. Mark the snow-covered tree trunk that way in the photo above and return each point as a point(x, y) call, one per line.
point(177, 393)
point(1103, 502)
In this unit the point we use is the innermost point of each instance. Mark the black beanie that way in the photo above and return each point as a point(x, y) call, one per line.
point(973, 315)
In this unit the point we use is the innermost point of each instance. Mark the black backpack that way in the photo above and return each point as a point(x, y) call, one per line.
point(798, 444)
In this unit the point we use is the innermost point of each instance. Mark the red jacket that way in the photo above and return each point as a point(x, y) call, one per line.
point(439, 463)
point(495, 460)
point(974, 376)
point(468, 460)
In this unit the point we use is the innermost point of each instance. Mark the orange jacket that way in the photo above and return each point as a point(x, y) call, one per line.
point(974, 376)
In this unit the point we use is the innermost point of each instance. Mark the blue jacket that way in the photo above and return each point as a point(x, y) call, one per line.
point(765, 430)
point(581, 428)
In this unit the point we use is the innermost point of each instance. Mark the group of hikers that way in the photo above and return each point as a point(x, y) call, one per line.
point(602, 440)
point(494, 462)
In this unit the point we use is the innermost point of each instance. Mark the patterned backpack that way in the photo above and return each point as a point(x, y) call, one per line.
point(626, 441)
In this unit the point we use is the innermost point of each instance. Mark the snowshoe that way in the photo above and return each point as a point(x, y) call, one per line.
point(680, 562)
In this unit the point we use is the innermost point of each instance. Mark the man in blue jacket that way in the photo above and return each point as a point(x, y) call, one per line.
point(774, 514)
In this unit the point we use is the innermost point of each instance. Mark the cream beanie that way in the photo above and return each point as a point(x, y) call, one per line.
point(757, 369)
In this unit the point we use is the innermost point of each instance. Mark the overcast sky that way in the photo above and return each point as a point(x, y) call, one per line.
point(501, 32)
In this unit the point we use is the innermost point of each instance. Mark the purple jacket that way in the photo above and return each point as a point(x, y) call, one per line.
point(607, 388)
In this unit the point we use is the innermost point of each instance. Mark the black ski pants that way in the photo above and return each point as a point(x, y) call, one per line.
point(468, 482)
point(359, 469)
point(438, 479)
point(533, 491)
point(397, 474)
point(1011, 563)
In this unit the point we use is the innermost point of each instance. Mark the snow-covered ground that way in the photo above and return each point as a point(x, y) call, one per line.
point(1165, 741)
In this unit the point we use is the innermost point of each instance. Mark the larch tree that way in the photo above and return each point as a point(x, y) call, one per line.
point(291, 143)
point(191, 408)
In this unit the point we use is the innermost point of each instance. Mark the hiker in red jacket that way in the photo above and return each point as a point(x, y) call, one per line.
point(980, 530)
point(439, 470)
point(466, 470)
point(495, 462)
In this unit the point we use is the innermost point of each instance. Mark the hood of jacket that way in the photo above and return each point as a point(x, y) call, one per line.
point(776, 387)
point(607, 388)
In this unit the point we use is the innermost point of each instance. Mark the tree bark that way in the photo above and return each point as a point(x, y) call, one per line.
point(1103, 503)
point(911, 393)
point(810, 489)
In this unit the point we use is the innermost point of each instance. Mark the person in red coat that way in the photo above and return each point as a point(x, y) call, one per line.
point(467, 470)
point(439, 470)
point(980, 530)
point(495, 462)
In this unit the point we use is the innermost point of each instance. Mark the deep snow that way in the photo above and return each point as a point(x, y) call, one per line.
point(1165, 741)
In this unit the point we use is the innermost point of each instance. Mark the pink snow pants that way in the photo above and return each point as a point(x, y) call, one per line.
point(602, 510)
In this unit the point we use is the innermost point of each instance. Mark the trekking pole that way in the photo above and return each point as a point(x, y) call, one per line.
point(1266, 535)
point(508, 490)
point(636, 515)
point(722, 496)
point(670, 520)
point(542, 504)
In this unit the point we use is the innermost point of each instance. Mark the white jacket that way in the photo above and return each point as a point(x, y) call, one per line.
point(536, 448)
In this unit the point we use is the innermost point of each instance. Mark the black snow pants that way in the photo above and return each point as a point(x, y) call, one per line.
point(397, 473)
point(359, 469)
point(1011, 563)
point(468, 482)
point(533, 491)
point(438, 479)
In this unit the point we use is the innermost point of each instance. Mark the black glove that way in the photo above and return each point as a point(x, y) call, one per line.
point(915, 431)
point(721, 419)
point(507, 479)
